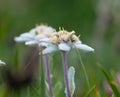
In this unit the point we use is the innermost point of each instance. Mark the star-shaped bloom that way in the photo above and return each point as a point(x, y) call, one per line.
point(65, 41)
point(36, 35)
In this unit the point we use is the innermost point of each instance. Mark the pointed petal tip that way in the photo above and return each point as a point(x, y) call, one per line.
point(91, 49)
point(19, 39)
point(84, 47)
point(16, 39)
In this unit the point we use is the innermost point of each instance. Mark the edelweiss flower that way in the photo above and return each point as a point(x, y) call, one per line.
point(2, 63)
point(64, 41)
point(37, 35)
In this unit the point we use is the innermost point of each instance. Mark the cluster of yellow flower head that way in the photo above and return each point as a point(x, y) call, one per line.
point(51, 40)
point(63, 36)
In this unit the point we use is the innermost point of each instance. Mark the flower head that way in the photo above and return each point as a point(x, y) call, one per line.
point(64, 36)
point(47, 38)
point(64, 41)
point(36, 36)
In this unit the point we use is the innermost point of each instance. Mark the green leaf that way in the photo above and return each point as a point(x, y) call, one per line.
point(110, 81)
point(3, 91)
point(57, 89)
point(71, 74)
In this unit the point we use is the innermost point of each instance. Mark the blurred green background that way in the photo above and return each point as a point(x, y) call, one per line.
point(98, 23)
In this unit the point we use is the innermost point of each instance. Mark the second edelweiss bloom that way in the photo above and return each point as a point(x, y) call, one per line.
point(64, 41)
point(36, 35)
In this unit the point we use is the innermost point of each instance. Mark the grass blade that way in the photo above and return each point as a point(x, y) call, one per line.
point(90, 91)
point(110, 81)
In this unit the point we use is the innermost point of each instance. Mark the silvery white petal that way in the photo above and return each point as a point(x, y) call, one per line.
point(31, 42)
point(64, 47)
point(45, 40)
point(21, 39)
point(50, 29)
point(2, 63)
point(24, 37)
point(84, 47)
point(27, 35)
point(49, 49)
point(78, 42)
point(43, 44)
point(32, 31)
point(40, 36)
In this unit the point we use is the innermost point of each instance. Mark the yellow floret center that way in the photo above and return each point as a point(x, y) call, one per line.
point(63, 36)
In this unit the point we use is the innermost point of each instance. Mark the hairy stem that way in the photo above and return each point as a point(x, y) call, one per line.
point(47, 70)
point(64, 61)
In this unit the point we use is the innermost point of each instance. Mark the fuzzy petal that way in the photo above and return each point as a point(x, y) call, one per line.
point(28, 35)
point(45, 40)
point(78, 42)
point(40, 36)
point(32, 31)
point(32, 42)
point(21, 39)
point(64, 47)
point(43, 44)
point(24, 37)
point(49, 50)
point(84, 47)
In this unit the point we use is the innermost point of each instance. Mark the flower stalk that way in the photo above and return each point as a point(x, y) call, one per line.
point(65, 68)
point(84, 69)
point(42, 76)
point(47, 71)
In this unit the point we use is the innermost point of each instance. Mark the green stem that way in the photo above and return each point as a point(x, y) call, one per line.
point(84, 70)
